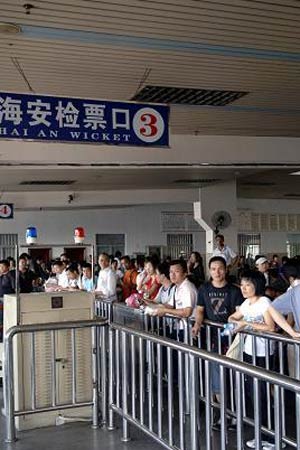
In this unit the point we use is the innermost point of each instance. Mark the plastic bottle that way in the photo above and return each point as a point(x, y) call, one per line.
point(228, 329)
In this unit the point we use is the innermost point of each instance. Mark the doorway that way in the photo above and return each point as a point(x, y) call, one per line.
point(75, 254)
point(40, 253)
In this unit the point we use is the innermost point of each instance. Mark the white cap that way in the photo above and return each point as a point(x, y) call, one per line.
point(261, 260)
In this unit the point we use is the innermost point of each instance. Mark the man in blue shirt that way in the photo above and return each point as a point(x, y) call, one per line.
point(289, 302)
point(86, 281)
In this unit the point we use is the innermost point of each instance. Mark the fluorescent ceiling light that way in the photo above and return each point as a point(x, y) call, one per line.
point(9, 28)
point(295, 173)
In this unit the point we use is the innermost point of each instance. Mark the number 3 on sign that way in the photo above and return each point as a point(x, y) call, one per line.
point(148, 125)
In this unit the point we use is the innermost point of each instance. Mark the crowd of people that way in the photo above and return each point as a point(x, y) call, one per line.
point(116, 277)
point(252, 294)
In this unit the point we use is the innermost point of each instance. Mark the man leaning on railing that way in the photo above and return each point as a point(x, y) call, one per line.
point(184, 296)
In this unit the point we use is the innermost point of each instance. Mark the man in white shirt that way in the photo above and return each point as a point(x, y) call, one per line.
point(181, 305)
point(107, 280)
point(183, 302)
point(226, 252)
point(59, 269)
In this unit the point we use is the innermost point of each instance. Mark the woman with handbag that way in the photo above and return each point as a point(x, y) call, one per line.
point(256, 314)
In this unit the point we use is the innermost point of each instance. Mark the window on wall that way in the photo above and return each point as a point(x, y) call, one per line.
point(179, 245)
point(293, 245)
point(8, 244)
point(110, 243)
point(249, 245)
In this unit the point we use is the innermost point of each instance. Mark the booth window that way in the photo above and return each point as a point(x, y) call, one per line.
point(110, 243)
point(179, 245)
point(249, 244)
point(7, 245)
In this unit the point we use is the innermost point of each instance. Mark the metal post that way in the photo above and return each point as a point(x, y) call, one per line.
point(125, 437)
point(93, 263)
point(99, 362)
point(231, 382)
point(207, 404)
point(282, 397)
point(159, 391)
point(150, 386)
point(32, 372)
point(239, 410)
point(170, 395)
point(9, 390)
point(73, 343)
point(193, 395)
point(111, 424)
point(278, 418)
point(223, 407)
point(181, 389)
point(95, 412)
point(133, 377)
point(186, 368)
point(200, 364)
point(219, 341)
point(17, 285)
point(103, 374)
point(257, 412)
point(142, 383)
point(298, 421)
point(268, 387)
point(244, 396)
point(208, 338)
point(117, 353)
point(53, 367)
point(297, 360)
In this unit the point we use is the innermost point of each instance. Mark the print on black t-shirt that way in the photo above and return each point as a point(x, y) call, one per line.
point(219, 303)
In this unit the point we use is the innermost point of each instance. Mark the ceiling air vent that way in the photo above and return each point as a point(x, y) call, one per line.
point(292, 195)
point(258, 183)
point(47, 182)
point(198, 181)
point(186, 96)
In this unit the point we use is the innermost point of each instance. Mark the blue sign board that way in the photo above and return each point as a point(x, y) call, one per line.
point(61, 119)
point(6, 211)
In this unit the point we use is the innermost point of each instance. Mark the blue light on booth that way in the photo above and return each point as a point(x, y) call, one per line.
point(31, 235)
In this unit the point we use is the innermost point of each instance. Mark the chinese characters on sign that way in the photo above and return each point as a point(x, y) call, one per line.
point(45, 118)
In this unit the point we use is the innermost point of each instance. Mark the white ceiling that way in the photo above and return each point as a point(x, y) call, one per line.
point(110, 49)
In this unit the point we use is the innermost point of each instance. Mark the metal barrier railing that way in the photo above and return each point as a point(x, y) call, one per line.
point(150, 389)
point(143, 398)
point(180, 331)
point(99, 380)
point(104, 308)
point(275, 349)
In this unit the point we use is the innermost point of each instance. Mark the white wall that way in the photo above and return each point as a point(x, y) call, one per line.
point(272, 241)
point(269, 206)
point(183, 148)
point(59, 199)
point(140, 224)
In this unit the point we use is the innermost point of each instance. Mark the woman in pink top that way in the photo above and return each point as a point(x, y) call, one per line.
point(150, 286)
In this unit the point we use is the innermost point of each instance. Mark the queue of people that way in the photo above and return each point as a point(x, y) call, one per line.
point(258, 295)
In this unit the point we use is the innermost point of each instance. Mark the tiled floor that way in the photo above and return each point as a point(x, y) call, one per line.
point(76, 436)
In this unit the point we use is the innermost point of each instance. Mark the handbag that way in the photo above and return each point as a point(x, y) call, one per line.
point(133, 301)
point(235, 350)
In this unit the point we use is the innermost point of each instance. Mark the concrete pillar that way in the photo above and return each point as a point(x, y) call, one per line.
point(213, 199)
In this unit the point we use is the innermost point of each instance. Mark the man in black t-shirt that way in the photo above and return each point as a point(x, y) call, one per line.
point(217, 300)
point(26, 276)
